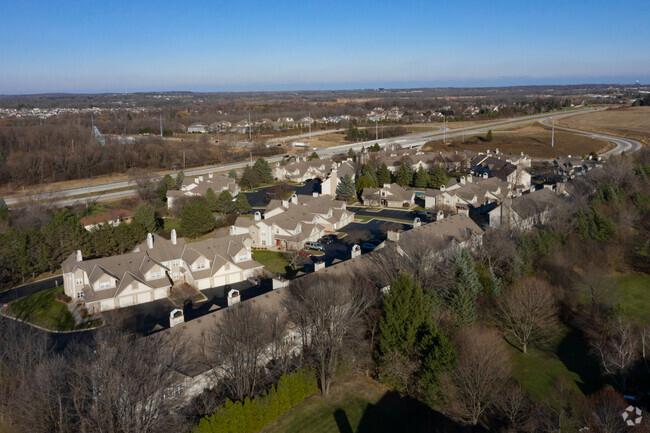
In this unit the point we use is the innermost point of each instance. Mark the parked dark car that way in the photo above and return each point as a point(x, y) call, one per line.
point(326, 240)
point(368, 246)
point(375, 242)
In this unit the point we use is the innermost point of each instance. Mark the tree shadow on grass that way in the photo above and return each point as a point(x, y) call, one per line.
point(574, 354)
point(396, 413)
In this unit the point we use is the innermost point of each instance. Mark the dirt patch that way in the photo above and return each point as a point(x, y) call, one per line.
point(533, 140)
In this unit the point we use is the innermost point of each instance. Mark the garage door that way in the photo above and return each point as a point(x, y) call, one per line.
point(126, 301)
point(144, 297)
point(107, 305)
point(233, 278)
point(160, 293)
point(219, 281)
point(203, 284)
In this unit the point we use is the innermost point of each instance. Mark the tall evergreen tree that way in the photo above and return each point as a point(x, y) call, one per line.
point(314, 155)
point(180, 177)
point(241, 204)
point(346, 189)
point(196, 219)
point(467, 286)
point(249, 178)
point(233, 174)
point(264, 171)
point(224, 202)
point(4, 209)
point(351, 153)
point(363, 182)
point(437, 177)
point(383, 175)
point(405, 311)
point(421, 178)
point(369, 173)
point(489, 136)
point(403, 175)
point(211, 200)
point(145, 219)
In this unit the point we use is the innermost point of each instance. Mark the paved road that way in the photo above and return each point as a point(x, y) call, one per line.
point(102, 192)
point(623, 145)
point(29, 289)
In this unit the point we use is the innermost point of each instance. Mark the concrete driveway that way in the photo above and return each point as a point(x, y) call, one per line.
point(383, 213)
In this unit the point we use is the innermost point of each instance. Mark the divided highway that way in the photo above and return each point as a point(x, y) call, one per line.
point(107, 191)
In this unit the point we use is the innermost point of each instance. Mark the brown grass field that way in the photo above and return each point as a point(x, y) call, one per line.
point(533, 140)
point(628, 122)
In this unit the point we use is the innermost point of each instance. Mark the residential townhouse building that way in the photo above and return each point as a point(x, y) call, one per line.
point(469, 194)
point(389, 195)
point(198, 187)
point(154, 267)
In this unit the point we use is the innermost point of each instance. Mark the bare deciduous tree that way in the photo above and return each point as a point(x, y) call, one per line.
point(327, 310)
point(594, 283)
point(238, 348)
point(528, 311)
point(514, 405)
point(482, 370)
point(617, 350)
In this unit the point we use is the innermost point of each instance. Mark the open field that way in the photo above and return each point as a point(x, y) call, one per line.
point(357, 404)
point(628, 122)
point(533, 140)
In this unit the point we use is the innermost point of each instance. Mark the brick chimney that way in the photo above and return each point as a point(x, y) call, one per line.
point(173, 237)
point(149, 241)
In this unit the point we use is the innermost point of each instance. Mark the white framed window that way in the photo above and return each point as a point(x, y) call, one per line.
point(80, 294)
point(155, 275)
point(175, 263)
point(200, 265)
point(176, 275)
point(79, 281)
point(263, 242)
point(105, 284)
point(242, 258)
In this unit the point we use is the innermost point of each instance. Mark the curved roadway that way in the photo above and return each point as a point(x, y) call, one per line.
point(107, 191)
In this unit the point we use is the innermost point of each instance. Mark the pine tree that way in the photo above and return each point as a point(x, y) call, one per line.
point(233, 174)
point(463, 297)
point(421, 178)
point(351, 153)
point(224, 202)
point(383, 175)
point(437, 356)
point(314, 155)
point(211, 200)
point(180, 177)
point(145, 219)
point(263, 170)
point(249, 178)
point(369, 173)
point(489, 136)
point(4, 209)
point(241, 204)
point(363, 182)
point(346, 189)
point(437, 177)
point(405, 311)
point(403, 175)
point(196, 219)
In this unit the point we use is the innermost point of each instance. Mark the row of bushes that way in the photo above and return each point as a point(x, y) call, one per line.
point(253, 415)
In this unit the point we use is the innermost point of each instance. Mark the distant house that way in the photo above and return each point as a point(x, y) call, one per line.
point(303, 170)
point(389, 195)
point(222, 126)
point(568, 166)
point(512, 169)
point(113, 217)
point(198, 187)
point(197, 128)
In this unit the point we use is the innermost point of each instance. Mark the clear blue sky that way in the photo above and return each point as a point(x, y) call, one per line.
point(138, 45)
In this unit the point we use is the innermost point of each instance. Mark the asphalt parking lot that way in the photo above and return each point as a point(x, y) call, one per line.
point(382, 213)
point(153, 316)
point(357, 233)
point(256, 198)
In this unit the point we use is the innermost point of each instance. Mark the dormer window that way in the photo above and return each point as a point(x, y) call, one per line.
point(200, 265)
point(79, 281)
point(155, 275)
point(105, 284)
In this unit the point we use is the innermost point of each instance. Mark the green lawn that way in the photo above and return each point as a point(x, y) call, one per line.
point(274, 261)
point(634, 290)
point(567, 356)
point(172, 223)
point(43, 310)
point(356, 404)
